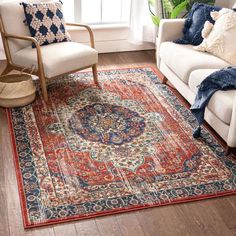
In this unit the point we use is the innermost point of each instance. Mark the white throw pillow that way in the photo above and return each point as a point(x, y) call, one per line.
point(220, 38)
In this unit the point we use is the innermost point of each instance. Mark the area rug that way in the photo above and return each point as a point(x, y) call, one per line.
point(90, 152)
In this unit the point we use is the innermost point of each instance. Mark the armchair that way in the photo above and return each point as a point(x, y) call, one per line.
point(49, 61)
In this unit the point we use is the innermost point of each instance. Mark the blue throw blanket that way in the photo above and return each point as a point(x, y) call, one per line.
point(224, 79)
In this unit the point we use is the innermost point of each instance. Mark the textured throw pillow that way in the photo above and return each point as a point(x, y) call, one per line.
point(220, 39)
point(199, 14)
point(46, 22)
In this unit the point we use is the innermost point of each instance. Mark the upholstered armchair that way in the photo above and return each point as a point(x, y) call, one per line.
point(48, 61)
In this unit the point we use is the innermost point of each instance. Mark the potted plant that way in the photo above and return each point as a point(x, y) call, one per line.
point(172, 8)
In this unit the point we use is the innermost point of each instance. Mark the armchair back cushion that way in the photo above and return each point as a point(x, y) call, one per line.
point(12, 15)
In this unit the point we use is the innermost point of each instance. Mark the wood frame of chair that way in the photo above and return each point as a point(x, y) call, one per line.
point(40, 68)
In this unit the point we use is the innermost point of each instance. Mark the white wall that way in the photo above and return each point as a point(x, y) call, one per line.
point(2, 54)
point(109, 38)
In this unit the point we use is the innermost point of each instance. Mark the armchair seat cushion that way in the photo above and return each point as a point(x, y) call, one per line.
point(183, 59)
point(221, 103)
point(58, 58)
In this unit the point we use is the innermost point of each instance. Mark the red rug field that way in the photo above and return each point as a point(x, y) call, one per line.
point(90, 152)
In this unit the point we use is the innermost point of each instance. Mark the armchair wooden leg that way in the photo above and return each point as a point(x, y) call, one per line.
point(95, 75)
point(228, 150)
point(43, 87)
point(7, 70)
point(164, 80)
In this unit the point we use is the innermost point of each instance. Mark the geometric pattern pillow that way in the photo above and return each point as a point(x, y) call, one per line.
point(46, 22)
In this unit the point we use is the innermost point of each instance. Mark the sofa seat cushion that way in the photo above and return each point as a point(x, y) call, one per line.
point(183, 59)
point(221, 103)
point(58, 58)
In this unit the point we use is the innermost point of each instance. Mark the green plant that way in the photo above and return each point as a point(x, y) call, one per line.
point(173, 8)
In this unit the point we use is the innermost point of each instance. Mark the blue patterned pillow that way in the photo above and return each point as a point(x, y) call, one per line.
point(46, 22)
point(194, 24)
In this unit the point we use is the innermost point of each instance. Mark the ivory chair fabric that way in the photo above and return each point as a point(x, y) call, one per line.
point(58, 58)
point(12, 15)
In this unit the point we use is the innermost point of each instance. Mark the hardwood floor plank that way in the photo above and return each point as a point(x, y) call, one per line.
point(232, 201)
point(4, 227)
point(13, 203)
point(45, 231)
point(227, 214)
point(129, 224)
point(125, 60)
point(162, 221)
point(202, 218)
point(87, 228)
point(198, 218)
point(65, 229)
point(108, 226)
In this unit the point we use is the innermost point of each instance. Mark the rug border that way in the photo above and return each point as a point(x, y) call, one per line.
point(28, 225)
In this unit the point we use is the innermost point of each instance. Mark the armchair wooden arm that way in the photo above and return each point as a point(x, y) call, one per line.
point(39, 72)
point(88, 29)
point(27, 38)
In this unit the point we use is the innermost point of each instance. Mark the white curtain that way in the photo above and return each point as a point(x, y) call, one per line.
point(142, 28)
point(2, 54)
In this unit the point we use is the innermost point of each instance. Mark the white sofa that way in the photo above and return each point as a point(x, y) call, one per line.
point(186, 68)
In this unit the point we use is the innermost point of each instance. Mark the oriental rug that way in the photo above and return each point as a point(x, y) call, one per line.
point(90, 152)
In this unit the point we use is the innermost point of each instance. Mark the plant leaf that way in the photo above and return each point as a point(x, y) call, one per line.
point(168, 5)
point(155, 19)
point(178, 9)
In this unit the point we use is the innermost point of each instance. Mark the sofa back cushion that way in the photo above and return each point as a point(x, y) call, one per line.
point(12, 15)
point(183, 59)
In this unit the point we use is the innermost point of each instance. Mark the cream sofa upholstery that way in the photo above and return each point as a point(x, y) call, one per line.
point(185, 68)
point(196, 60)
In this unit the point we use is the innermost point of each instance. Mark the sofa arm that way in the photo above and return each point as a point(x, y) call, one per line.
point(231, 142)
point(169, 30)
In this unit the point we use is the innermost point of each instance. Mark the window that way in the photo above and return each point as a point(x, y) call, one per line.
point(97, 11)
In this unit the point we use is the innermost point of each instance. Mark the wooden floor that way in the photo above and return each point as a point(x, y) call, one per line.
point(208, 217)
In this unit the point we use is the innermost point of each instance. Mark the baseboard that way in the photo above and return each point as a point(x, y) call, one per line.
point(122, 46)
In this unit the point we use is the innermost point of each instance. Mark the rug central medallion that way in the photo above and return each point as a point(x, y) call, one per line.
point(107, 124)
point(111, 128)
